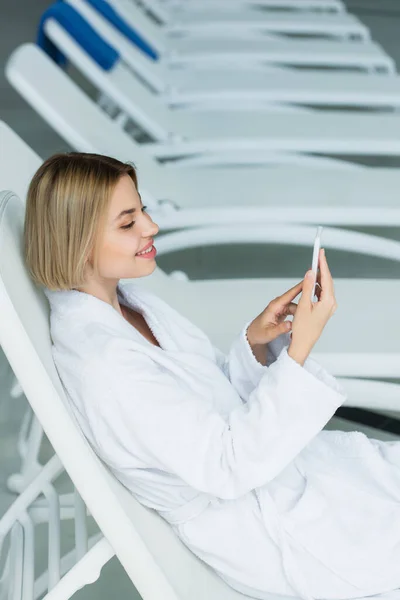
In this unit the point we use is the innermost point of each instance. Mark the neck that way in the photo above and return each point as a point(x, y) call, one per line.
point(103, 290)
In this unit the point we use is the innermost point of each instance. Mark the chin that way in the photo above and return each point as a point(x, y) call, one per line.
point(146, 270)
point(151, 268)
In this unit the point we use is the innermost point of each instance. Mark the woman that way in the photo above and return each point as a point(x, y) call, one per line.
point(229, 450)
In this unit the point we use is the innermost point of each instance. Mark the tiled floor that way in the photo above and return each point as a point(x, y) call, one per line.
point(17, 25)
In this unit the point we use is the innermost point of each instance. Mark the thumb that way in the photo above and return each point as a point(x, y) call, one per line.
point(308, 285)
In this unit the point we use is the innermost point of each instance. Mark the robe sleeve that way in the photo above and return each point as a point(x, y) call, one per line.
point(245, 372)
point(169, 419)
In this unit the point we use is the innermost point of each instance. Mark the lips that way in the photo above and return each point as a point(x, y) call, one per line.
point(149, 245)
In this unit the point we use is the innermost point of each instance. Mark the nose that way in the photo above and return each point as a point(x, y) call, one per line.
point(151, 228)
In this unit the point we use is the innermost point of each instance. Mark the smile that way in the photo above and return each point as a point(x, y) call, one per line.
point(145, 251)
point(148, 253)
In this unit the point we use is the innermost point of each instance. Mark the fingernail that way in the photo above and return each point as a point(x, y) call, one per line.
point(309, 274)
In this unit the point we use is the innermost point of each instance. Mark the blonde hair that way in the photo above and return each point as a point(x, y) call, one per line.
point(66, 208)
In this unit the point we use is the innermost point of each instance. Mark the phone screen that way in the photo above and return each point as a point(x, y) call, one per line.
point(314, 266)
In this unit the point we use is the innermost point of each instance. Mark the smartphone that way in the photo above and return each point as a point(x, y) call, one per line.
point(315, 257)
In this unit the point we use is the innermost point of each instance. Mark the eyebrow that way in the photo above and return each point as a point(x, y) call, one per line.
point(128, 211)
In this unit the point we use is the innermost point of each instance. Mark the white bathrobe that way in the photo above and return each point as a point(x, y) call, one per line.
point(230, 452)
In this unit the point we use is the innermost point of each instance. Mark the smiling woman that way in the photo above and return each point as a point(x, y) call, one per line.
point(228, 449)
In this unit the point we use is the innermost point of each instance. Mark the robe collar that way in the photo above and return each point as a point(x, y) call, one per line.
point(76, 306)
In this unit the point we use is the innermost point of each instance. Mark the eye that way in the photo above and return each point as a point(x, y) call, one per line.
point(143, 209)
point(128, 226)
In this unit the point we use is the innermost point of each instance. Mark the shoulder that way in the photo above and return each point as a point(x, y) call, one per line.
point(117, 368)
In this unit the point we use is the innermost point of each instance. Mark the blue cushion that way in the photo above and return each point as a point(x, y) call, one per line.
point(101, 52)
point(108, 12)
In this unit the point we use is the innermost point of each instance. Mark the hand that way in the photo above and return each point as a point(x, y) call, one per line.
point(311, 318)
point(271, 322)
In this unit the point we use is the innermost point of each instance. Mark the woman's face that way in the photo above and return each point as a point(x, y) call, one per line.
point(126, 249)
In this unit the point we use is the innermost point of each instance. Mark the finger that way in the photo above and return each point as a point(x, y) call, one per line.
point(319, 277)
point(326, 277)
point(292, 293)
point(284, 327)
point(290, 309)
point(309, 280)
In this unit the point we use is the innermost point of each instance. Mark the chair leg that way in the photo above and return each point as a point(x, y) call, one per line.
point(11, 577)
point(28, 575)
point(67, 562)
point(86, 571)
point(64, 575)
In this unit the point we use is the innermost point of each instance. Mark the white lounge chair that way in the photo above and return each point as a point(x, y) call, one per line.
point(158, 564)
point(244, 308)
point(296, 90)
point(159, 8)
point(276, 90)
point(360, 196)
point(163, 11)
point(18, 162)
point(265, 84)
point(237, 23)
point(225, 138)
point(189, 53)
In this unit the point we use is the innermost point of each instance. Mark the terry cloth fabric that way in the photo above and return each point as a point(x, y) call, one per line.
point(101, 52)
point(108, 12)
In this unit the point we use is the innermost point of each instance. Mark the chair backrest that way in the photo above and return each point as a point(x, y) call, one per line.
point(137, 18)
point(119, 84)
point(76, 118)
point(161, 13)
point(18, 162)
point(159, 565)
point(151, 71)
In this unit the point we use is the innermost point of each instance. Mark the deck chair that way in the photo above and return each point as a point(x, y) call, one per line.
point(150, 113)
point(13, 149)
point(164, 12)
point(298, 139)
point(227, 233)
point(277, 90)
point(360, 243)
point(165, 80)
point(160, 10)
point(238, 23)
point(190, 53)
point(212, 132)
point(18, 162)
point(178, 195)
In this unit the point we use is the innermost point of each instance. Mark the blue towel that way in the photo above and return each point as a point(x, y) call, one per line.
point(101, 52)
point(105, 9)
